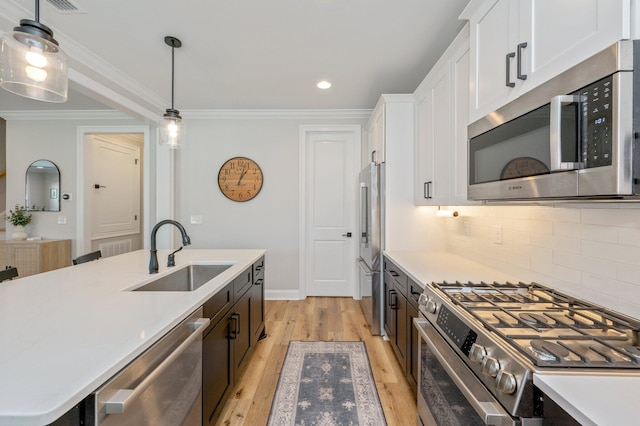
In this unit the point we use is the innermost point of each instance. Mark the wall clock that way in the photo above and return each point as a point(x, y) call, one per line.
point(240, 179)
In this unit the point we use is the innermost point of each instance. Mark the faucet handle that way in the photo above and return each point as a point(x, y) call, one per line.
point(171, 261)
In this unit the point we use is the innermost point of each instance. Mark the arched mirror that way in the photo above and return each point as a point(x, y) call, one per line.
point(43, 187)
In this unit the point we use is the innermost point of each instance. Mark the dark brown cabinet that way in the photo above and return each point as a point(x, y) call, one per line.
point(401, 306)
point(237, 323)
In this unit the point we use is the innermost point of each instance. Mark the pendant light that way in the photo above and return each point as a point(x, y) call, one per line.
point(171, 126)
point(31, 62)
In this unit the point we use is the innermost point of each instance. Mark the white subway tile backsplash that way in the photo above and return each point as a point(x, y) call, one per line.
point(570, 230)
point(591, 251)
point(629, 236)
point(629, 273)
point(628, 217)
point(567, 245)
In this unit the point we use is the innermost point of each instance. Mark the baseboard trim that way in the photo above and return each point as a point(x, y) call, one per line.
point(283, 295)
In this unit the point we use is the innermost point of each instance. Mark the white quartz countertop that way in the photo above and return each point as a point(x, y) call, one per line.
point(427, 267)
point(64, 333)
point(592, 398)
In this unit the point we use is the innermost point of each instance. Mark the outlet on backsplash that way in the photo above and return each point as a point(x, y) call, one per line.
point(497, 234)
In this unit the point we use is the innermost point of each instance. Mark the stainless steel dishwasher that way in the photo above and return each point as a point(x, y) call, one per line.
point(163, 386)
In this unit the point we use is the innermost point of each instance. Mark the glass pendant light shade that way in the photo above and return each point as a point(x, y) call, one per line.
point(32, 64)
point(171, 128)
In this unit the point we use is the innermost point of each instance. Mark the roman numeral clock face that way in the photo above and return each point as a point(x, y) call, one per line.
point(240, 179)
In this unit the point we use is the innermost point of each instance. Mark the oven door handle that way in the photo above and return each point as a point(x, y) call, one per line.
point(555, 135)
point(489, 410)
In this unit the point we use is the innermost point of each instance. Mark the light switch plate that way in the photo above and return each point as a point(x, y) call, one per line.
point(196, 219)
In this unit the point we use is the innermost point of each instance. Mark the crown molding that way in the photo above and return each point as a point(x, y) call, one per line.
point(270, 114)
point(65, 115)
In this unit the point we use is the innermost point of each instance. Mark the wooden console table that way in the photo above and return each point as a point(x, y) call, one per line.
point(33, 257)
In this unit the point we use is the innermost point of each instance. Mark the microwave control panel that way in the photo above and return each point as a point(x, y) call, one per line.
point(597, 119)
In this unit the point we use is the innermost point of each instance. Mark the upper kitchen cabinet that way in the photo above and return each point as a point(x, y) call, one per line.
point(442, 101)
point(517, 45)
point(388, 124)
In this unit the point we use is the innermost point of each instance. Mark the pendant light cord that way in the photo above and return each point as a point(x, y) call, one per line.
point(37, 10)
point(173, 49)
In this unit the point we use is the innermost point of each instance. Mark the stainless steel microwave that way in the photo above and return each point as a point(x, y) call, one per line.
point(573, 137)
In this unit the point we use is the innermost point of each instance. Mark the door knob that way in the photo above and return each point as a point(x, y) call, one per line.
point(348, 235)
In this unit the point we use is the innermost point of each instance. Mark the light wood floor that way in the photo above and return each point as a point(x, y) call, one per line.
point(316, 318)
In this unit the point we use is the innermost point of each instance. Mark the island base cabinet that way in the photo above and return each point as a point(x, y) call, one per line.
point(217, 377)
point(229, 344)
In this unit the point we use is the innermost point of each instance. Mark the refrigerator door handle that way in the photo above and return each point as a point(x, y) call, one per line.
point(364, 267)
point(364, 206)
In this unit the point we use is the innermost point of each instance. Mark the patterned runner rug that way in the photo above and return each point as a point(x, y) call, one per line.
point(326, 383)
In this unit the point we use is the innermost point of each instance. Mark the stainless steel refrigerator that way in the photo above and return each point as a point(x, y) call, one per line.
point(369, 261)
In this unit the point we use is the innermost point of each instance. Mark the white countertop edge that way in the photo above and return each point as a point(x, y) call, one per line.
point(241, 259)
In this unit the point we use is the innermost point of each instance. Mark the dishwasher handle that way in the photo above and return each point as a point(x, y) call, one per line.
point(117, 404)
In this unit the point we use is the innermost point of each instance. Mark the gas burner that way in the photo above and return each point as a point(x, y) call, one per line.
point(548, 351)
point(534, 319)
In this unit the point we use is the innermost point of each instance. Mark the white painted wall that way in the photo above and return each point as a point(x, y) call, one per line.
point(591, 251)
point(54, 140)
point(270, 220)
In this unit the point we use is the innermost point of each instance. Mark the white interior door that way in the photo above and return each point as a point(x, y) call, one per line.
point(331, 181)
point(115, 186)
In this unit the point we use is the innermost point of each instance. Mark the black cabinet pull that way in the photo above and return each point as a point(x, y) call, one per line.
point(520, 75)
point(427, 190)
point(508, 76)
point(394, 304)
point(233, 332)
point(394, 273)
point(258, 281)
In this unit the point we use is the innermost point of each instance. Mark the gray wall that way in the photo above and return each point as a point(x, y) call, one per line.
point(269, 221)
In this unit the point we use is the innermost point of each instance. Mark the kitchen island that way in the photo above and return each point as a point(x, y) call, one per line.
point(66, 332)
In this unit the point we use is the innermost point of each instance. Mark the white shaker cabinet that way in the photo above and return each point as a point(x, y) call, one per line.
point(376, 130)
point(442, 101)
point(517, 45)
point(390, 124)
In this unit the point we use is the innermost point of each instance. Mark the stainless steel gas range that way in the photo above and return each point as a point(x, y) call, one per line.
point(480, 344)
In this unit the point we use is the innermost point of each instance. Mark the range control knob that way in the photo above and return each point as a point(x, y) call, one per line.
point(423, 299)
point(431, 307)
point(477, 353)
point(490, 366)
point(506, 382)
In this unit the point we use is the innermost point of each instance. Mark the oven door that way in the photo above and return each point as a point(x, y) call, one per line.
point(448, 392)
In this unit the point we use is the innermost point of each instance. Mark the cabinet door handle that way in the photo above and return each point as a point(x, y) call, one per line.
point(392, 297)
point(233, 334)
point(427, 190)
point(508, 76)
point(394, 274)
point(258, 281)
point(520, 75)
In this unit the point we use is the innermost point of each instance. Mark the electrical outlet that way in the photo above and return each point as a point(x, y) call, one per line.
point(62, 220)
point(196, 219)
point(467, 229)
point(497, 234)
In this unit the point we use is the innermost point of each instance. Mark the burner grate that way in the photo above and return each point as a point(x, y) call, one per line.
point(527, 315)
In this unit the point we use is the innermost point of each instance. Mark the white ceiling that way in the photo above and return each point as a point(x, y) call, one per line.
point(241, 54)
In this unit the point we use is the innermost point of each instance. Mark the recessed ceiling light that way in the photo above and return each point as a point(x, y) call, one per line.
point(324, 85)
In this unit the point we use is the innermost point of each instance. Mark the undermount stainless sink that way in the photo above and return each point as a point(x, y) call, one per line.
point(186, 279)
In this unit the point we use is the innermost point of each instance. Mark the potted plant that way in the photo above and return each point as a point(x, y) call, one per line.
point(19, 218)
